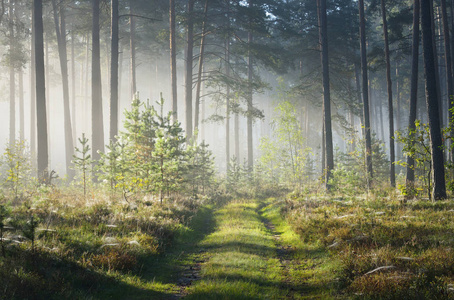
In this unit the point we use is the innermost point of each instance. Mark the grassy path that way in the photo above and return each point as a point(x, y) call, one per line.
point(252, 254)
point(242, 250)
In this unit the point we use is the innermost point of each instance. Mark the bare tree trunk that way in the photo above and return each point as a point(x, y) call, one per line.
point(188, 69)
point(86, 110)
point(96, 90)
point(40, 92)
point(328, 134)
point(132, 46)
point(410, 180)
point(439, 189)
point(114, 37)
point(448, 62)
point(199, 74)
point(33, 95)
point(21, 105)
point(227, 92)
point(173, 62)
point(392, 176)
point(12, 75)
point(236, 130)
point(365, 88)
point(73, 86)
point(250, 154)
point(60, 29)
point(49, 136)
point(437, 71)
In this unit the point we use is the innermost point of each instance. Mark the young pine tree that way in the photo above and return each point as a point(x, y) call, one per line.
point(82, 162)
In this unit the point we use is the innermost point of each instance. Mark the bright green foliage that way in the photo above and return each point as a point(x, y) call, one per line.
point(284, 156)
point(18, 167)
point(200, 168)
point(168, 153)
point(417, 145)
point(237, 176)
point(108, 165)
point(151, 156)
point(349, 176)
point(82, 162)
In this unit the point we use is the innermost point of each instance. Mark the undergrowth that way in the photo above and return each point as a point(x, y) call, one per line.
point(81, 245)
point(384, 248)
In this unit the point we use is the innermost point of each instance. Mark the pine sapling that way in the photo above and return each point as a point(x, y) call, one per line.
point(82, 161)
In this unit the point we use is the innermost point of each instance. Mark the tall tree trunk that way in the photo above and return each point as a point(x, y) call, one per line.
point(328, 134)
point(365, 88)
point(46, 69)
point(60, 29)
point(173, 62)
point(392, 177)
point(227, 92)
point(236, 131)
point(114, 37)
point(250, 154)
point(449, 71)
point(188, 71)
point(199, 73)
point(86, 110)
point(21, 105)
point(439, 189)
point(96, 90)
point(12, 75)
point(132, 46)
point(40, 91)
point(73, 86)
point(410, 180)
point(33, 95)
point(437, 71)
point(358, 90)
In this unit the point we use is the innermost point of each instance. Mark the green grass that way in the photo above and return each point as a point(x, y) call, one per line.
point(355, 236)
point(243, 261)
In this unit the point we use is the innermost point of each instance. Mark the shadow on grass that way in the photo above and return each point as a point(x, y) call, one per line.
point(44, 275)
point(166, 268)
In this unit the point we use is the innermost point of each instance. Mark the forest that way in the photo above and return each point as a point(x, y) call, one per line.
point(220, 149)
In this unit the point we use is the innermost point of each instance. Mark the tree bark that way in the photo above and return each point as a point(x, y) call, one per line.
point(227, 92)
point(73, 86)
point(114, 38)
point(324, 56)
point(250, 154)
point(21, 105)
point(188, 69)
point(449, 71)
point(132, 46)
point(46, 69)
point(365, 89)
point(173, 63)
point(410, 180)
point(199, 73)
point(12, 75)
point(33, 94)
point(96, 90)
point(439, 189)
point(437, 71)
point(60, 29)
point(40, 92)
point(392, 177)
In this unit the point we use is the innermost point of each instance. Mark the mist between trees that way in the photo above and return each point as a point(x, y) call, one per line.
point(299, 91)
